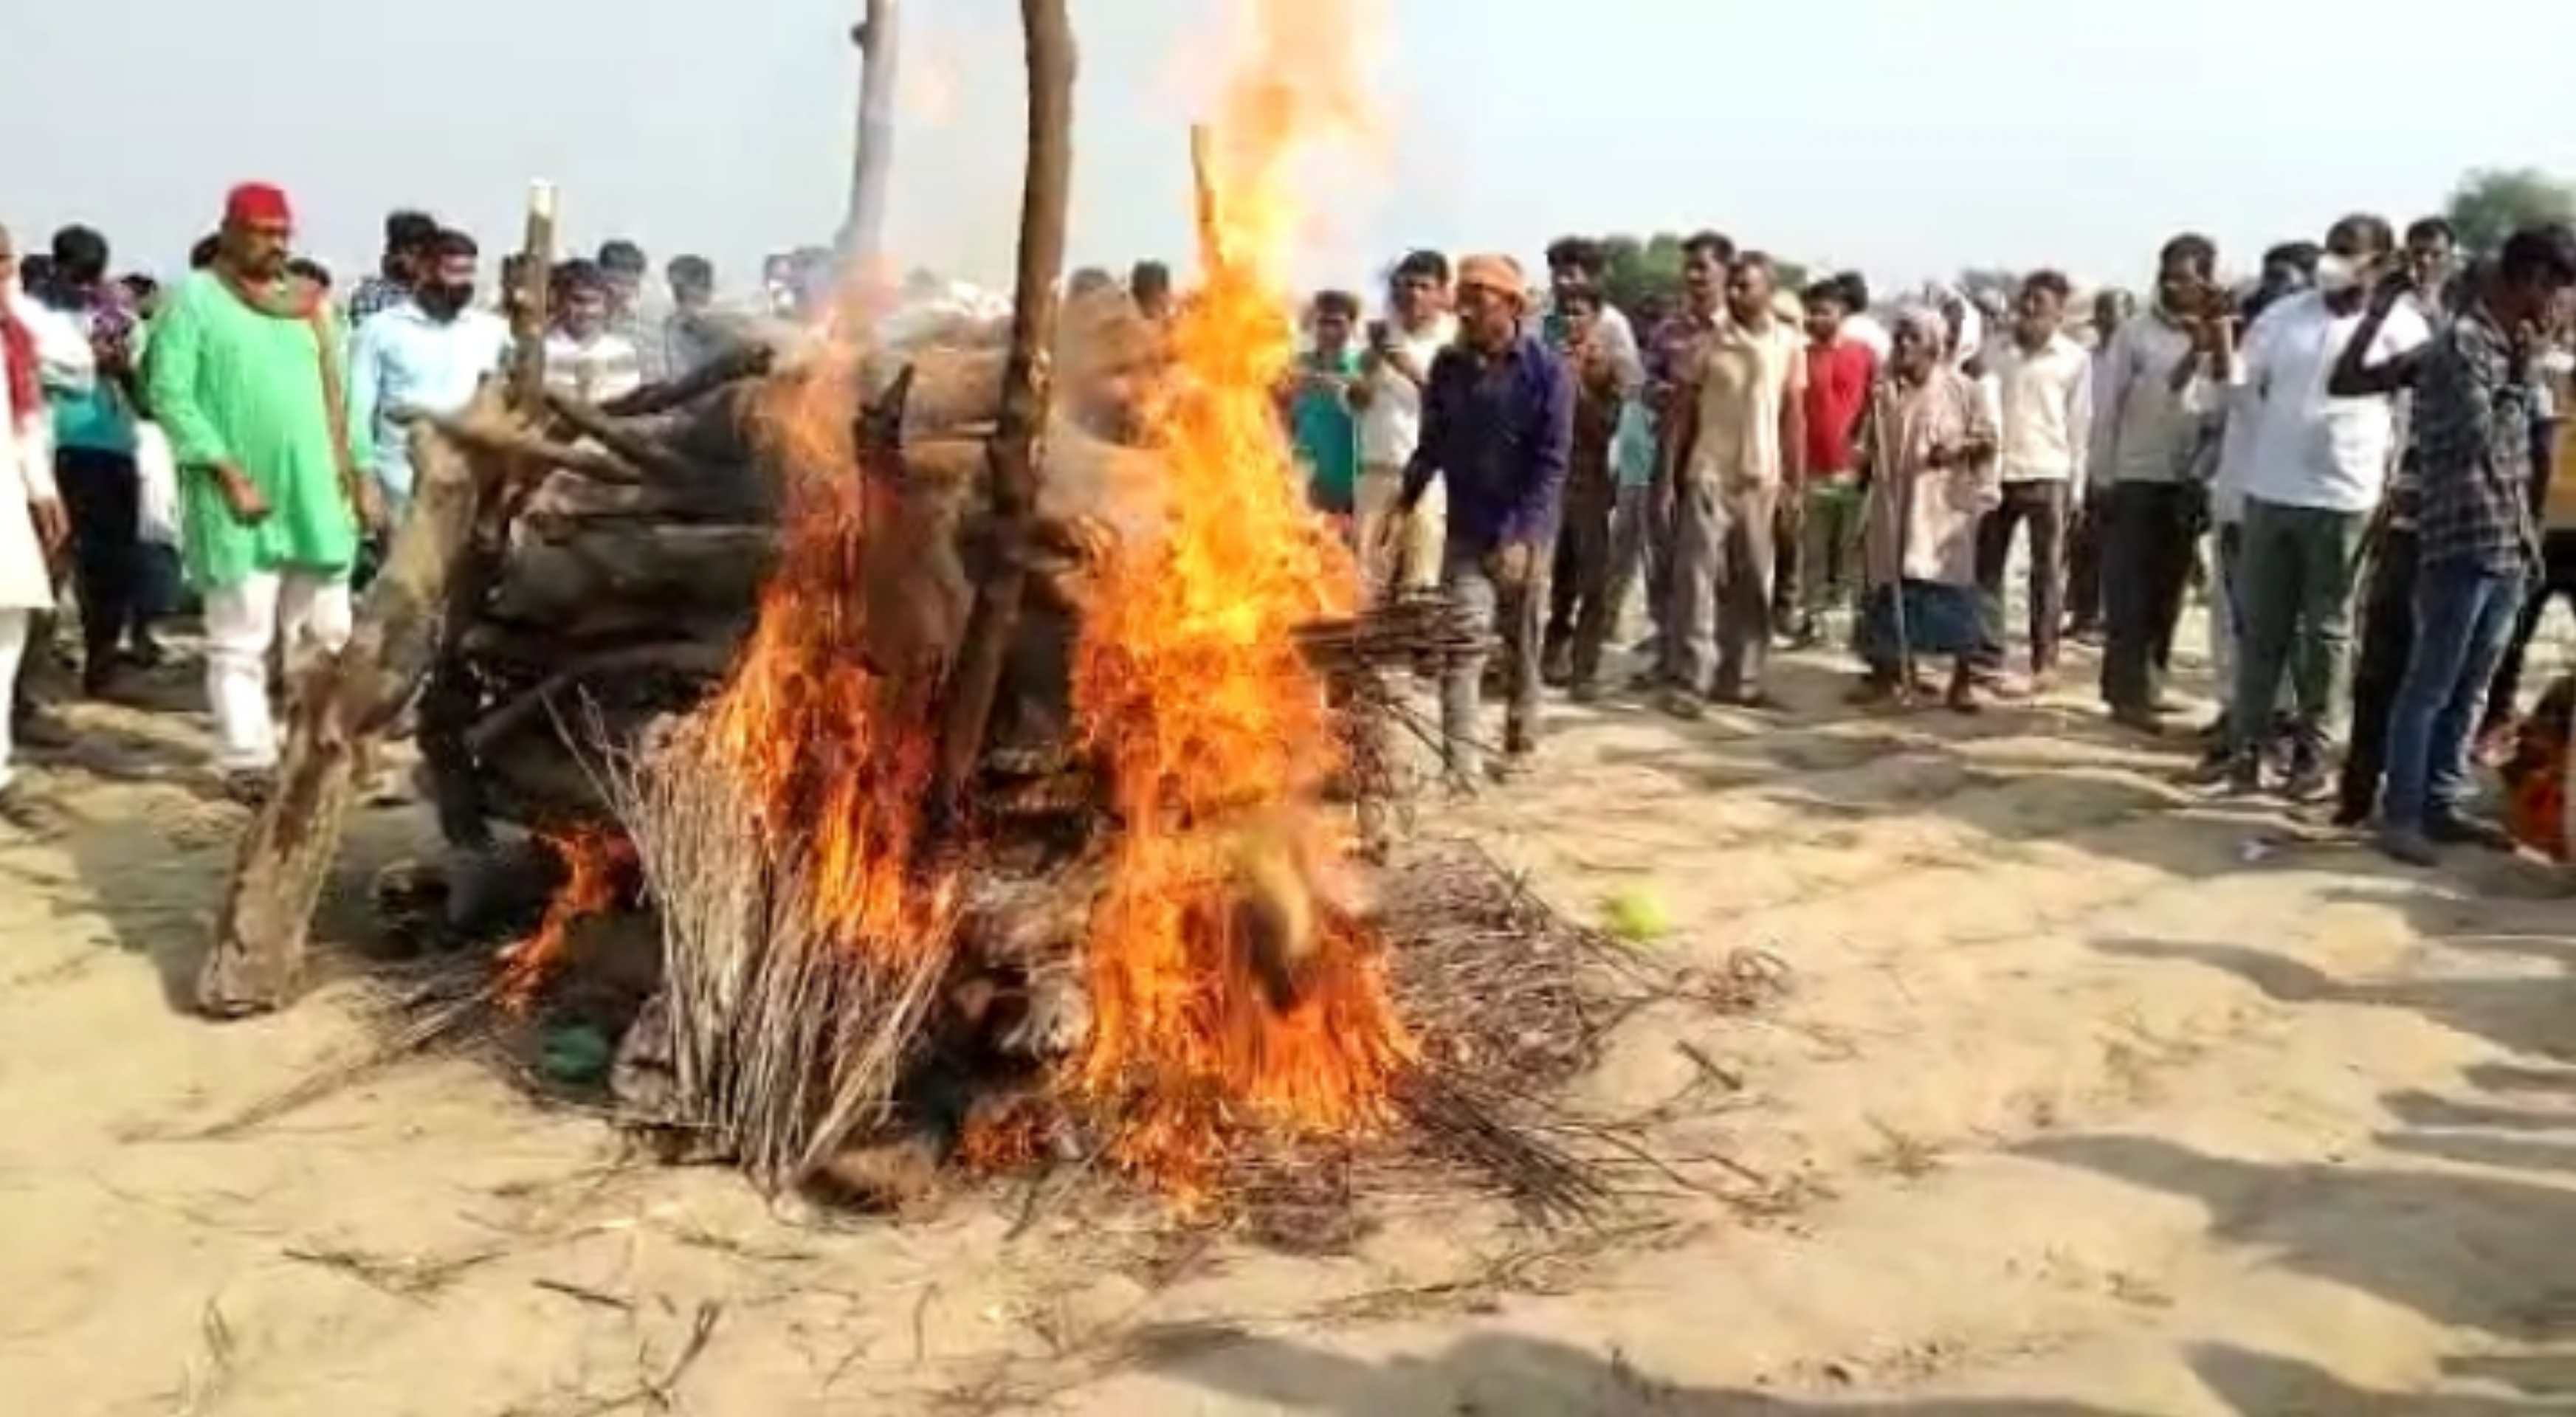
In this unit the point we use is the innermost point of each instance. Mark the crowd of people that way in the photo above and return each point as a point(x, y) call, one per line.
point(2366, 427)
point(235, 437)
point(2363, 431)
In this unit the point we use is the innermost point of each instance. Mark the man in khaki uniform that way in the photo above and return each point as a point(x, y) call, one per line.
point(1742, 435)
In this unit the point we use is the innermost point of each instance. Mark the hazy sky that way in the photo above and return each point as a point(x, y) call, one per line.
point(1908, 137)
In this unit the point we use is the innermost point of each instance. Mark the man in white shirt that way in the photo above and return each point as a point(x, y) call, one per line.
point(1393, 369)
point(1742, 436)
point(2319, 466)
point(2044, 392)
point(2143, 445)
point(584, 356)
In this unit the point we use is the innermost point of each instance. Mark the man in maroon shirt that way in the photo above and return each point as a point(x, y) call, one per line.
point(1840, 370)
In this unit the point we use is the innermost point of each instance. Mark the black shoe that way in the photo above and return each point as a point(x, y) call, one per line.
point(38, 729)
point(1556, 664)
point(2468, 829)
point(2138, 718)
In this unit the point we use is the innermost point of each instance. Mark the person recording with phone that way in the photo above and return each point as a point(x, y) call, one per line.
point(1395, 363)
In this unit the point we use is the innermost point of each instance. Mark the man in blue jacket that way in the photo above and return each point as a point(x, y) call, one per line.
point(1497, 430)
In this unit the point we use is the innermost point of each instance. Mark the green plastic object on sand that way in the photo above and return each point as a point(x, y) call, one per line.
point(1636, 916)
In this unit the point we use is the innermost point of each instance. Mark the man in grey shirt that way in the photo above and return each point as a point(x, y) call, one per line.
point(2144, 442)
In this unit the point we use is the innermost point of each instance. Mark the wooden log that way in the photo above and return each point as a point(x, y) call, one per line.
point(743, 495)
point(664, 566)
point(967, 707)
point(340, 707)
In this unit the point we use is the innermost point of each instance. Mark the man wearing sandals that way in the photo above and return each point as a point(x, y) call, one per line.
point(245, 375)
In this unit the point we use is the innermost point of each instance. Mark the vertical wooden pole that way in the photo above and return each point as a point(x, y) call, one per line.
point(528, 312)
point(1014, 452)
point(872, 160)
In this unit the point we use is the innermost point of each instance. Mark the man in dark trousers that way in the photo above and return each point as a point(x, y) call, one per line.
point(1497, 430)
point(2144, 439)
point(2476, 542)
point(94, 443)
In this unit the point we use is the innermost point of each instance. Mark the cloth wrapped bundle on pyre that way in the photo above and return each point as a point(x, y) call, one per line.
point(936, 764)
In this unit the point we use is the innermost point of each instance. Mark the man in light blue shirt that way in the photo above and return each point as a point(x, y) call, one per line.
point(427, 352)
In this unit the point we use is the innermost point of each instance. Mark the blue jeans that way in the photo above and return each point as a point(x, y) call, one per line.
point(2464, 617)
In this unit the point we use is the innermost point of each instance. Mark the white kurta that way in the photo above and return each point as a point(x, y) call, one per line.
point(26, 476)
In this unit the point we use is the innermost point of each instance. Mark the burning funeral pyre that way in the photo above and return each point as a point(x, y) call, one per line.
point(930, 762)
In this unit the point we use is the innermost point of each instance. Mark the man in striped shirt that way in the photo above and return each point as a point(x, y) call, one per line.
point(584, 357)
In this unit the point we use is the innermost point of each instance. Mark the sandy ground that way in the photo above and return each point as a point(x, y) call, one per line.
point(2077, 1107)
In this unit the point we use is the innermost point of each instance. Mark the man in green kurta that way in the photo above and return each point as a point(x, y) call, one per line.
point(245, 376)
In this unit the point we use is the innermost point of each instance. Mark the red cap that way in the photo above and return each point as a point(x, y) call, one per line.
point(257, 204)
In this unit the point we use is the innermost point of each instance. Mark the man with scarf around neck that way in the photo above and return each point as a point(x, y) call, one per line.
point(94, 463)
point(1497, 430)
point(425, 354)
point(245, 378)
point(2143, 445)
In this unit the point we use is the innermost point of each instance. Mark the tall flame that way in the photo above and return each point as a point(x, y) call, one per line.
point(1189, 685)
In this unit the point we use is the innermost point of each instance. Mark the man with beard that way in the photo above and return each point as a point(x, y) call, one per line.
point(245, 379)
point(94, 442)
point(424, 355)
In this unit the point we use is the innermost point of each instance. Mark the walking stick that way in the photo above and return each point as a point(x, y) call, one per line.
point(1882, 470)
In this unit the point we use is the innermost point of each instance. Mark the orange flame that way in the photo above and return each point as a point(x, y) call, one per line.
point(595, 864)
point(1189, 692)
point(1190, 688)
point(836, 761)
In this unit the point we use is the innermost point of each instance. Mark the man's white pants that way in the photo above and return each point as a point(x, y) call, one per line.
point(1415, 563)
point(302, 610)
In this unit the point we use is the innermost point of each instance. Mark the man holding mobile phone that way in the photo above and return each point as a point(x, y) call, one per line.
point(1394, 367)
